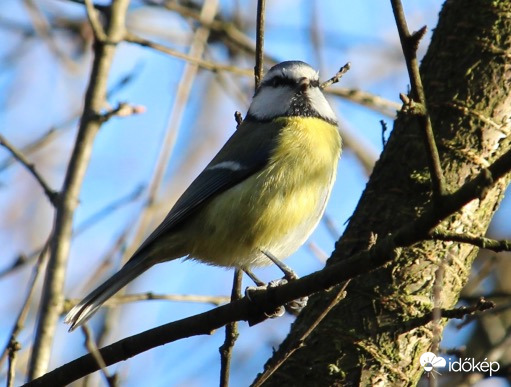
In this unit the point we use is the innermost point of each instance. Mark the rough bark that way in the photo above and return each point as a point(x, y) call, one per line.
point(366, 339)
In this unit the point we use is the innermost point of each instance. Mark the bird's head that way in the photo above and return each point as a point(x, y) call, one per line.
point(290, 89)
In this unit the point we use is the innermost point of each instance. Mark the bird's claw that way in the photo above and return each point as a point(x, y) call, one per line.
point(279, 311)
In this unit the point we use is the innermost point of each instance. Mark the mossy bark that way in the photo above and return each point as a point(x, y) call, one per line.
point(365, 339)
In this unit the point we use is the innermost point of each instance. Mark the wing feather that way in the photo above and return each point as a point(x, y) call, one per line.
point(254, 145)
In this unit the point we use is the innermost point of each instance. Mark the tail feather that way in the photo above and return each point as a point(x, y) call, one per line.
point(90, 304)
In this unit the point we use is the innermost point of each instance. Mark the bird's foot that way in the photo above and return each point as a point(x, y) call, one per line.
point(279, 312)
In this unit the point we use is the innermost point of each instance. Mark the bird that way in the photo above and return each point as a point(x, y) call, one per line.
point(259, 198)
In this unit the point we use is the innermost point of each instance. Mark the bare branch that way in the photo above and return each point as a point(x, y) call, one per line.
point(108, 209)
point(259, 51)
point(52, 299)
point(93, 350)
point(231, 333)
point(364, 98)
point(482, 242)
point(383, 251)
point(22, 315)
point(50, 193)
point(183, 91)
point(301, 340)
point(14, 347)
point(132, 38)
point(436, 314)
point(337, 77)
point(457, 313)
point(214, 300)
point(409, 43)
point(228, 32)
point(97, 28)
point(123, 109)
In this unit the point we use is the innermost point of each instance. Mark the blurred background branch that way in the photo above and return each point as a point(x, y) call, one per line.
point(189, 98)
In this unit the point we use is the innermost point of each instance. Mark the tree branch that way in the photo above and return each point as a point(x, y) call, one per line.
point(259, 51)
point(482, 242)
point(52, 297)
point(301, 340)
point(50, 193)
point(132, 38)
point(410, 43)
point(382, 252)
point(231, 333)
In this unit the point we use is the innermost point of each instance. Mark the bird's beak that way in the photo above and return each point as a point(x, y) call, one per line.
point(303, 84)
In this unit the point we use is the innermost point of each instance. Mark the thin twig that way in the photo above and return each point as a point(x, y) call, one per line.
point(49, 192)
point(500, 308)
point(337, 77)
point(51, 134)
point(500, 348)
point(97, 28)
point(209, 65)
point(458, 313)
point(436, 314)
point(91, 346)
point(43, 28)
point(214, 300)
point(22, 315)
point(109, 209)
point(14, 347)
point(95, 218)
point(259, 53)
point(332, 228)
point(233, 37)
point(270, 369)
point(409, 44)
point(231, 333)
point(123, 109)
point(462, 312)
point(385, 250)
point(196, 50)
point(369, 100)
point(487, 267)
point(362, 150)
point(318, 252)
point(52, 293)
point(482, 242)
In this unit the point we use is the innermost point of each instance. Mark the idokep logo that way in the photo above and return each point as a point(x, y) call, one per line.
point(429, 361)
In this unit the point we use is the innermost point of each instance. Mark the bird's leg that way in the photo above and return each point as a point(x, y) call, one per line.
point(262, 285)
point(289, 273)
point(253, 277)
point(295, 306)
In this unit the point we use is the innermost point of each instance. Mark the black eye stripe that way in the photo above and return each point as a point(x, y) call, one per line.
point(279, 81)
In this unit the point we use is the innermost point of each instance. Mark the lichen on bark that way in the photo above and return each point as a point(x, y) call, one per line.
point(365, 339)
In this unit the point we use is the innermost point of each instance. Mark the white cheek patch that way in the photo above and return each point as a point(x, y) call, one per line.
point(271, 102)
point(320, 104)
point(230, 165)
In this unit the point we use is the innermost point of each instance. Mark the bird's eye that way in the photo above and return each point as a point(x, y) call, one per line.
point(277, 81)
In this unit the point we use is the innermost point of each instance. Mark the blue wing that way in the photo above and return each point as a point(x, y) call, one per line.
point(232, 165)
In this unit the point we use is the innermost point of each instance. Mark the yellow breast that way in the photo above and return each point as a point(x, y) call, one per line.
point(277, 208)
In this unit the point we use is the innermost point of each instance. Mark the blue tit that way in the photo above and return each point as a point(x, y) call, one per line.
point(263, 193)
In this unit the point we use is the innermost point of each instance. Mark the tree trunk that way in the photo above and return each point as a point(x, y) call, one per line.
point(367, 338)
